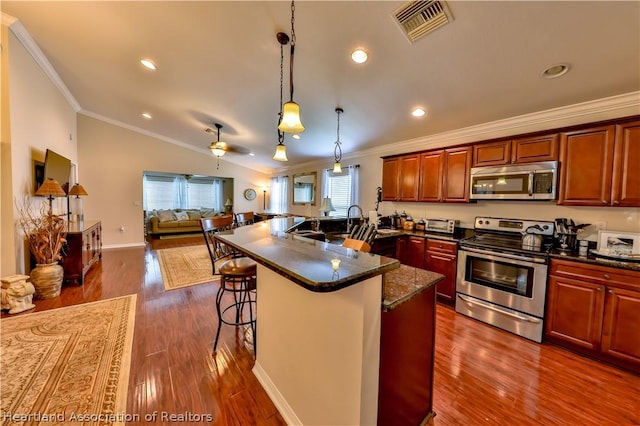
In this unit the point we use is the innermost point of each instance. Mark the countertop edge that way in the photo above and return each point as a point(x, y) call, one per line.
point(410, 290)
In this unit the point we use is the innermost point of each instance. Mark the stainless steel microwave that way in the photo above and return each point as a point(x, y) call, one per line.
point(534, 181)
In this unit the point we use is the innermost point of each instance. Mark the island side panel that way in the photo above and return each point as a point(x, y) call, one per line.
point(406, 361)
point(318, 353)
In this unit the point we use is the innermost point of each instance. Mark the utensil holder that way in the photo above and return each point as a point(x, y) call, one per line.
point(567, 242)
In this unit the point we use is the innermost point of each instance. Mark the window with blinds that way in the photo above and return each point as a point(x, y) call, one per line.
point(339, 190)
point(163, 192)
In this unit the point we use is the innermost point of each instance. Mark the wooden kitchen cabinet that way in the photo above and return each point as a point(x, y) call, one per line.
point(626, 172)
point(431, 175)
point(530, 149)
point(400, 177)
point(414, 252)
point(82, 250)
point(444, 175)
point(384, 246)
point(442, 257)
point(595, 310)
point(586, 166)
point(496, 153)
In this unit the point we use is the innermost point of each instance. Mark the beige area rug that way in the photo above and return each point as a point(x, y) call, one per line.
point(185, 266)
point(68, 365)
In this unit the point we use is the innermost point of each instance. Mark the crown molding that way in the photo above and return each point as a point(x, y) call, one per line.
point(32, 47)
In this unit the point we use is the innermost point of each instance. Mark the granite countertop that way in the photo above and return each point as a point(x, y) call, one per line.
point(401, 284)
point(305, 261)
point(591, 259)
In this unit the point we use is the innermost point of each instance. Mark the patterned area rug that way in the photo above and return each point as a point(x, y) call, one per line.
point(68, 365)
point(185, 266)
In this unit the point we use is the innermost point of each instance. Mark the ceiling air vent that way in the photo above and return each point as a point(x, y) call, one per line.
point(419, 18)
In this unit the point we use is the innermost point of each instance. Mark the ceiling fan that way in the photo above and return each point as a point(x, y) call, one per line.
point(220, 148)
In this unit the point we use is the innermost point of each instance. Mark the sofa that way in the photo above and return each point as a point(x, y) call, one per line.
point(175, 221)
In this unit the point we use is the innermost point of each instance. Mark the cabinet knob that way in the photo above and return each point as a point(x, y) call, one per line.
point(616, 202)
point(607, 276)
point(599, 289)
point(604, 201)
point(611, 292)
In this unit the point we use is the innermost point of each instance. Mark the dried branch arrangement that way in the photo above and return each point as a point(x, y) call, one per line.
point(46, 233)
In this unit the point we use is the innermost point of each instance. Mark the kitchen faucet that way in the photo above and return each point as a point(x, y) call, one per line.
point(349, 216)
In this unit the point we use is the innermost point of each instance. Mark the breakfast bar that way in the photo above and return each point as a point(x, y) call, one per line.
point(320, 314)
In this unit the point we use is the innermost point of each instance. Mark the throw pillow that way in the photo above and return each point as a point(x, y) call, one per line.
point(194, 215)
point(181, 216)
point(166, 216)
point(208, 213)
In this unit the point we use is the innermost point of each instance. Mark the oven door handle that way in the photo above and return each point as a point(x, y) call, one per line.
point(494, 256)
point(499, 310)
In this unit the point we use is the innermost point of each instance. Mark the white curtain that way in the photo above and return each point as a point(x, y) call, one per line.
point(279, 200)
point(179, 192)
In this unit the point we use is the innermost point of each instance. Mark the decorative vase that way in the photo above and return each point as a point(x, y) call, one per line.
point(47, 280)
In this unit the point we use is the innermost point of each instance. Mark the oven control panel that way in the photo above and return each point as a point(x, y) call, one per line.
point(516, 226)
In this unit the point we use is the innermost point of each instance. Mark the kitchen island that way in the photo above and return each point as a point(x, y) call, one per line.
point(318, 338)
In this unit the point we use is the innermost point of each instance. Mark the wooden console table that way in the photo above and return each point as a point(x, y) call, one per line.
point(83, 249)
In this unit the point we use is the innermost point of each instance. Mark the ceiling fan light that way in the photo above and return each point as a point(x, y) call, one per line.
point(217, 148)
point(281, 153)
point(291, 122)
point(337, 167)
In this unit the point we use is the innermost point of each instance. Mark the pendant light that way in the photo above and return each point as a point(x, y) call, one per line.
point(337, 150)
point(281, 149)
point(218, 148)
point(290, 121)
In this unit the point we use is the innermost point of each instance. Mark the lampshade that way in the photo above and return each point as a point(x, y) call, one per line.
point(218, 148)
point(50, 188)
point(281, 153)
point(77, 190)
point(337, 167)
point(326, 205)
point(228, 202)
point(291, 118)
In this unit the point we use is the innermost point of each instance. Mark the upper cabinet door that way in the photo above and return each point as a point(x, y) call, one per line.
point(431, 164)
point(626, 169)
point(586, 158)
point(409, 177)
point(457, 163)
point(390, 177)
point(492, 154)
point(534, 149)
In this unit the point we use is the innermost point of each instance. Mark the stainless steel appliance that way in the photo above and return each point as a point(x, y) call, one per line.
point(447, 226)
point(534, 181)
point(502, 282)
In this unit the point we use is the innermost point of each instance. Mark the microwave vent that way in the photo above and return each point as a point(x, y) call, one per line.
point(419, 18)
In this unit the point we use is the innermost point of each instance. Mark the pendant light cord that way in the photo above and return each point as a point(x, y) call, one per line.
point(280, 133)
point(337, 150)
point(293, 45)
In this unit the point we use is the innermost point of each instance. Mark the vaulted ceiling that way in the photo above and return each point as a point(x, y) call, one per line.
point(219, 62)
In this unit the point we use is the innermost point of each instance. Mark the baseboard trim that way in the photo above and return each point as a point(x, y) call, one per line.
point(281, 404)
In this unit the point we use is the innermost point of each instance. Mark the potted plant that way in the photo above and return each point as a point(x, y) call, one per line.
point(46, 236)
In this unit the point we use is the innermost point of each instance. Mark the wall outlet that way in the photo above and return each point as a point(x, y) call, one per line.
point(600, 225)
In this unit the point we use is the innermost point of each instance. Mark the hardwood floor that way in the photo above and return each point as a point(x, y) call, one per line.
point(482, 375)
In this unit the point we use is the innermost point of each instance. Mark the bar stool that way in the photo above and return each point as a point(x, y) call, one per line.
point(237, 276)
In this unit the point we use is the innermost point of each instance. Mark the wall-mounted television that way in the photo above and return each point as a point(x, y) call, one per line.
point(57, 167)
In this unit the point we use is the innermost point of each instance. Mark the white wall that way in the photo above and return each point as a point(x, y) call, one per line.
point(40, 118)
point(112, 160)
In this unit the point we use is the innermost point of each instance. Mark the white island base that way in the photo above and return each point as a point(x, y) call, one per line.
point(318, 354)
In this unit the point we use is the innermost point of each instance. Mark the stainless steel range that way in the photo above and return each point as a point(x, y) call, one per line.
point(502, 276)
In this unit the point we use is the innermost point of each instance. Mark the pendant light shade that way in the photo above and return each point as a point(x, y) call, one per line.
point(337, 167)
point(281, 153)
point(218, 148)
point(291, 118)
point(291, 122)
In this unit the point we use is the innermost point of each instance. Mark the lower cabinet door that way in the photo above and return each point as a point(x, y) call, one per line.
point(444, 264)
point(621, 333)
point(574, 312)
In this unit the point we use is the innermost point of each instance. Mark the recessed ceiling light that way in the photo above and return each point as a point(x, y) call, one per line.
point(251, 154)
point(418, 112)
point(148, 63)
point(554, 71)
point(296, 137)
point(146, 115)
point(359, 56)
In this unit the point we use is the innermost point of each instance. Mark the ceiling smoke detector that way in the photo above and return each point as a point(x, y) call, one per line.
point(419, 18)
